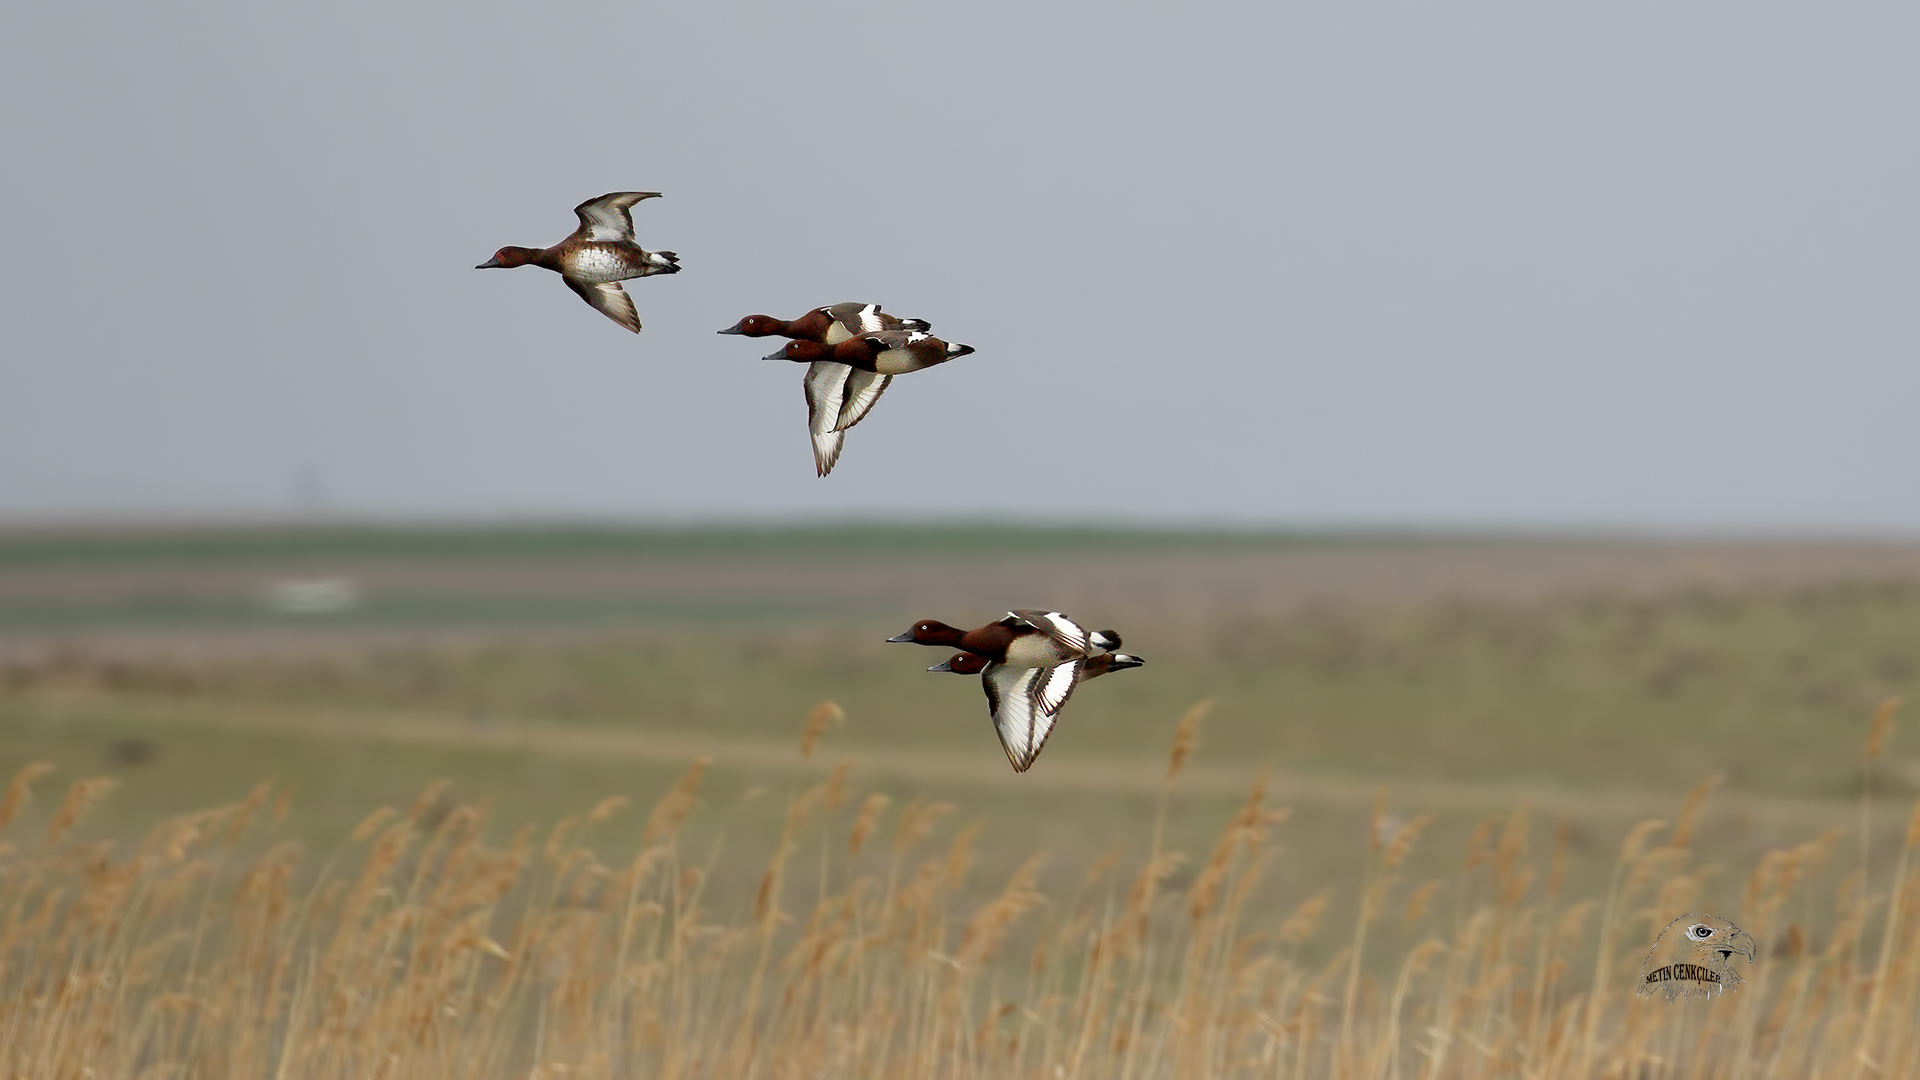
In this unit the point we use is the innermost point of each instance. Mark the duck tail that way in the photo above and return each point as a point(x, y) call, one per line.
point(915, 324)
point(1104, 640)
point(664, 262)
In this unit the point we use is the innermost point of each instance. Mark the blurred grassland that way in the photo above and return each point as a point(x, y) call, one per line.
point(189, 544)
point(167, 595)
point(541, 669)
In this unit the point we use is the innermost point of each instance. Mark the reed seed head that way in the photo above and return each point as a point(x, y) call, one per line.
point(819, 718)
point(20, 789)
point(1186, 735)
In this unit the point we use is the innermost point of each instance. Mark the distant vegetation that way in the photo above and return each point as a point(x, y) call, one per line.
point(1611, 692)
point(159, 545)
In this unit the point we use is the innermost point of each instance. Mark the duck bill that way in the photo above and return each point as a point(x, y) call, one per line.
point(731, 330)
point(490, 264)
point(897, 639)
point(781, 355)
point(944, 665)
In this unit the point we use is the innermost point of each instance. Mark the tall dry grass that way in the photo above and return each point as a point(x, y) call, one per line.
point(419, 950)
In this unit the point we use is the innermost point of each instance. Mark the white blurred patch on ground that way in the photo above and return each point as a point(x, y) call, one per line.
point(312, 596)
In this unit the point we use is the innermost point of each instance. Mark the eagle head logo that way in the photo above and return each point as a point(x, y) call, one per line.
point(1693, 958)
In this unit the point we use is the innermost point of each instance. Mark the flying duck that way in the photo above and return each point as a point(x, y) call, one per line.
point(1029, 664)
point(887, 352)
point(1017, 697)
point(1026, 637)
point(597, 256)
point(838, 396)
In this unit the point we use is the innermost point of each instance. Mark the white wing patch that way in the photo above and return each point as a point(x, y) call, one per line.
point(838, 397)
point(826, 388)
point(862, 390)
point(1016, 696)
point(606, 218)
point(1055, 686)
point(826, 450)
point(1064, 631)
point(609, 299)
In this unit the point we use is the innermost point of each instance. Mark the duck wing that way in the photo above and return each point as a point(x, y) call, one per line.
point(860, 318)
point(826, 389)
point(838, 397)
point(895, 337)
point(606, 217)
point(863, 388)
point(1025, 703)
point(609, 299)
point(1067, 634)
point(869, 319)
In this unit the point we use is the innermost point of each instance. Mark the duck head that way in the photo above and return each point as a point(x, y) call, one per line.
point(964, 663)
point(757, 326)
point(930, 632)
point(803, 352)
point(509, 256)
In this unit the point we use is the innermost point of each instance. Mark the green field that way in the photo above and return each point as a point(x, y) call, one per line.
point(25, 547)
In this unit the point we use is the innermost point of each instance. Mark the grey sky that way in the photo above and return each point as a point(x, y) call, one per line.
point(1646, 264)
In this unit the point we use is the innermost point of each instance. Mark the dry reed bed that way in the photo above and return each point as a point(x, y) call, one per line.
point(421, 951)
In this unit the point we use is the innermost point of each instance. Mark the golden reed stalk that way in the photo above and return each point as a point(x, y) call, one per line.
point(428, 950)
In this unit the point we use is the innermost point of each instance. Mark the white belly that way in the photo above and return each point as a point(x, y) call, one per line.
point(599, 264)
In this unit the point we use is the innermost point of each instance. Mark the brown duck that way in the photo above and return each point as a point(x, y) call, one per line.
point(838, 396)
point(598, 255)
